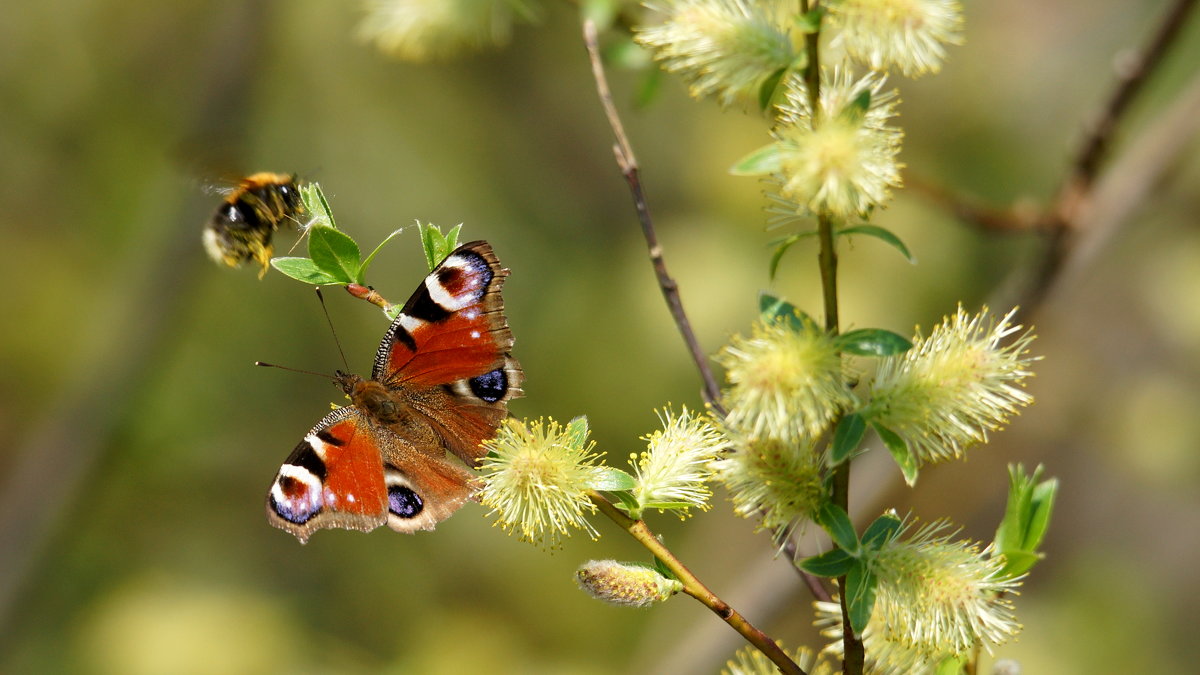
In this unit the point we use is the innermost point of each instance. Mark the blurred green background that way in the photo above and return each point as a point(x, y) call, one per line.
point(142, 441)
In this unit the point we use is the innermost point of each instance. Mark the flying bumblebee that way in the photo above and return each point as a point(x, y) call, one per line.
point(242, 227)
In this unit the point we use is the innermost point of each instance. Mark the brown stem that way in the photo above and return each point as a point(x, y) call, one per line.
point(695, 588)
point(629, 169)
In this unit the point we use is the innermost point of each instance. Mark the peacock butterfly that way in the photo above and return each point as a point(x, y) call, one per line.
point(442, 378)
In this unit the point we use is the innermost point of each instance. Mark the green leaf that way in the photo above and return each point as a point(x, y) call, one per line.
point(860, 596)
point(769, 87)
point(763, 161)
point(857, 108)
point(303, 269)
point(315, 203)
point(649, 87)
point(576, 432)
point(437, 246)
point(849, 433)
point(810, 22)
point(772, 308)
point(832, 563)
point(661, 568)
point(363, 270)
point(837, 523)
point(781, 247)
point(951, 665)
point(872, 342)
point(335, 253)
point(628, 503)
point(882, 234)
point(1026, 518)
point(900, 453)
point(610, 479)
point(392, 312)
point(880, 531)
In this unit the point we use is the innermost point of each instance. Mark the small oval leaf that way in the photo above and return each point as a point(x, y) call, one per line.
point(900, 453)
point(335, 253)
point(771, 308)
point(849, 433)
point(303, 269)
point(833, 563)
point(610, 479)
point(880, 531)
point(763, 161)
point(860, 596)
point(837, 523)
point(872, 342)
point(766, 92)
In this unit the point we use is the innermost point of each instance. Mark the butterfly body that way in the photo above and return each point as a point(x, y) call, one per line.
point(441, 381)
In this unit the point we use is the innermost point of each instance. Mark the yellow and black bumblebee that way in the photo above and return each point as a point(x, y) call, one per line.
point(242, 227)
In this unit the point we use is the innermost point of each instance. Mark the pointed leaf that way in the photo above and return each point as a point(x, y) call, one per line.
point(763, 161)
point(837, 523)
point(856, 109)
point(303, 269)
point(832, 563)
point(880, 531)
point(860, 596)
point(882, 234)
point(367, 262)
point(335, 253)
point(772, 308)
point(849, 433)
point(782, 246)
point(766, 92)
point(1043, 507)
point(900, 453)
point(872, 342)
point(315, 204)
point(610, 479)
point(661, 568)
point(577, 431)
point(433, 243)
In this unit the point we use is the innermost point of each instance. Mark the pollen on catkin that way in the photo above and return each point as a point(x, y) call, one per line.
point(722, 48)
point(838, 159)
point(783, 383)
point(908, 35)
point(963, 380)
point(673, 472)
point(537, 479)
point(936, 597)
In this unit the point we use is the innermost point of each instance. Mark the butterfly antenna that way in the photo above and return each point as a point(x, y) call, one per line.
point(331, 329)
point(264, 364)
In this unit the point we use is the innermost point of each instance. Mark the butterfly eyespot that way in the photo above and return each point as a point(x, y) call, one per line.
point(490, 387)
point(403, 502)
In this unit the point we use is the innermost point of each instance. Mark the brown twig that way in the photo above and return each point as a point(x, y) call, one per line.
point(1063, 218)
point(629, 169)
point(695, 588)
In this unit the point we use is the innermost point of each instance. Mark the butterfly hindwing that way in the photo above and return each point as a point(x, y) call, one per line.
point(351, 473)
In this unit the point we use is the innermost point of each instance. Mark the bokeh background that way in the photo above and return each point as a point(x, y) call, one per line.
point(140, 440)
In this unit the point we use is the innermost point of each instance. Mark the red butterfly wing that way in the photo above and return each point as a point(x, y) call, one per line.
point(351, 473)
point(452, 335)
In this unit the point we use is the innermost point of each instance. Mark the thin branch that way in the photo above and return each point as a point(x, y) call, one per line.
point(695, 588)
point(1065, 216)
point(629, 169)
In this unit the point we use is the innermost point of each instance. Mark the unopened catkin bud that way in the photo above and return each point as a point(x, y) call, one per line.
point(623, 584)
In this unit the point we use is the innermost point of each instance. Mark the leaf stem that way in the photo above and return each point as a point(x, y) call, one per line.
point(695, 588)
point(629, 169)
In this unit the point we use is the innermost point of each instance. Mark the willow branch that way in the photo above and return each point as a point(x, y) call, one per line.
point(629, 169)
point(695, 588)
